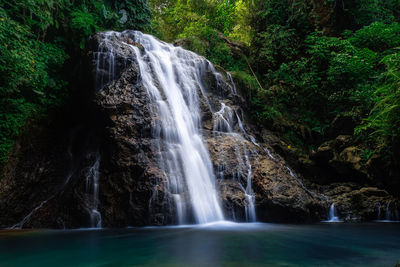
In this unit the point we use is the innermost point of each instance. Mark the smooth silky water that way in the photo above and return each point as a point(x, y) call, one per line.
point(213, 244)
point(175, 83)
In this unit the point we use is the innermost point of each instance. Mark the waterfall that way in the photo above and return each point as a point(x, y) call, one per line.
point(388, 214)
point(27, 217)
point(333, 214)
point(299, 181)
point(92, 189)
point(174, 80)
point(378, 217)
point(269, 153)
point(223, 124)
point(104, 59)
point(391, 213)
point(171, 76)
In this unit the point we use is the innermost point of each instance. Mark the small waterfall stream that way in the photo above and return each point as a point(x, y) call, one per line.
point(378, 207)
point(174, 82)
point(388, 214)
point(391, 213)
point(223, 124)
point(333, 214)
point(104, 58)
point(27, 217)
point(92, 189)
point(66, 180)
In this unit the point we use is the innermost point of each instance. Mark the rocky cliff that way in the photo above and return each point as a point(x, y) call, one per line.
point(108, 169)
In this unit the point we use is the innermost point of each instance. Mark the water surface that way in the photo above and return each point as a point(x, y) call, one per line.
point(218, 244)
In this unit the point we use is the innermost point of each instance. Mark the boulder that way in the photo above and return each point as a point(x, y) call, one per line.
point(355, 203)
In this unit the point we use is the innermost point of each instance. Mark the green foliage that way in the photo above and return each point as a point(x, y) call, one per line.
point(203, 24)
point(312, 77)
point(365, 12)
point(29, 79)
point(247, 83)
point(366, 155)
point(288, 13)
point(274, 46)
point(138, 13)
point(37, 39)
point(307, 77)
point(331, 77)
point(13, 115)
point(279, 28)
point(377, 36)
point(83, 21)
point(383, 124)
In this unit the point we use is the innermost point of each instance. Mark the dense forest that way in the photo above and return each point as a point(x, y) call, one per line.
point(199, 132)
point(310, 70)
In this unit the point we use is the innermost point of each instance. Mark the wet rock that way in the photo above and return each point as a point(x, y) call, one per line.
point(348, 161)
point(237, 49)
point(343, 141)
point(111, 55)
point(44, 183)
point(324, 153)
point(133, 186)
point(280, 195)
point(269, 138)
point(337, 160)
point(356, 204)
point(384, 175)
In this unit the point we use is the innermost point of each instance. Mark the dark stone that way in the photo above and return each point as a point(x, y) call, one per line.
point(355, 203)
point(45, 176)
point(343, 124)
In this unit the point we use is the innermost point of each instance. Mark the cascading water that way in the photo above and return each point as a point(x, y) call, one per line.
point(224, 125)
point(388, 214)
point(333, 214)
point(173, 79)
point(104, 58)
point(176, 105)
point(391, 212)
point(378, 207)
point(92, 189)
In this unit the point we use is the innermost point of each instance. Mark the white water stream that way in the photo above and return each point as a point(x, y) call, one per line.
point(173, 78)
point(92, 188)
point(333, 214)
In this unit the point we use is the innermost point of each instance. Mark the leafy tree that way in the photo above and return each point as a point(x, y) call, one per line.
point(41, 44)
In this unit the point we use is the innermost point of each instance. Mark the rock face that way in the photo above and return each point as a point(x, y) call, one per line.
point(131, 168)
point(50, 183)
point(355, 203)
point(44, 183)
point(341, 160)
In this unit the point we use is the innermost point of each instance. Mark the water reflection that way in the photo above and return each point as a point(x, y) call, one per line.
point(218, 244)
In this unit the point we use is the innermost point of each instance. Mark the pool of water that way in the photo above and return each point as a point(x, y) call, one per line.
point(219, 244)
